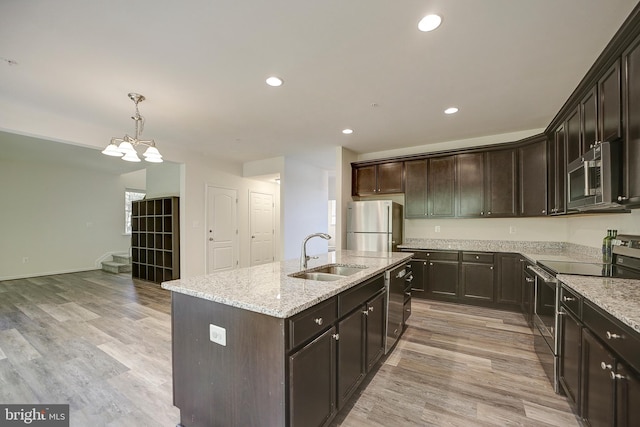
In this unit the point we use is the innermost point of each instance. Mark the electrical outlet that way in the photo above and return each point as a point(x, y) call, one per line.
point(512, 229)
point(218, 335)
point(437, 229)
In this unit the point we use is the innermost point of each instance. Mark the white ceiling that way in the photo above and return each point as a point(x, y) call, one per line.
point(509, 65)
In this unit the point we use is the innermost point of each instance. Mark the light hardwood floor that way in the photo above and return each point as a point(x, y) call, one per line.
point(102, 343)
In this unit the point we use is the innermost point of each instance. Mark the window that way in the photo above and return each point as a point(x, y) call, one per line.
point(130, 196)
point(332, 212)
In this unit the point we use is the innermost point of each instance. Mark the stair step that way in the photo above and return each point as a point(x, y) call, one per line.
point(115, 267)
point(122, 258)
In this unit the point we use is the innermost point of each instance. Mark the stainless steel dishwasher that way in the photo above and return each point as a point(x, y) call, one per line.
point(395, 282)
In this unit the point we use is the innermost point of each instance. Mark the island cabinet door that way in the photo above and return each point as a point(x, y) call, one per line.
point(627, 396)
point(312, 382)
point(375, 333)
point(351, 351)
point(598, 389)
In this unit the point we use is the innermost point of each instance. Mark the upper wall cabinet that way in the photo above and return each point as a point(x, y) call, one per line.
point(385, 178)
point(631, 112)
point(533, 178)
point(609, 107)
point(486, 184)
point(441, 175)
point(557, 172)
point(415, 188)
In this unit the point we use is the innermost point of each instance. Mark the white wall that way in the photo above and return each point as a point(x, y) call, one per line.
point(163, 180)
point(344, 157)
point(60, 218)
point(589, 230)
point(305, 200)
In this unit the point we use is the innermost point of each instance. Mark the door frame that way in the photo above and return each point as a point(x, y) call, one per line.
point(236, 240)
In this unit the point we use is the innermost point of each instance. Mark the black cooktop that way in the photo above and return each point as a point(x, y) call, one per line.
point(589, 269)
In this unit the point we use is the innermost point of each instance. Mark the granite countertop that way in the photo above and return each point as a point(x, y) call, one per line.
point(618, 297)
point(268, 289)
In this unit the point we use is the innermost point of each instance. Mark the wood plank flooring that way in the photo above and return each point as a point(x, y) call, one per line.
point(102, 343)
point(462, 366)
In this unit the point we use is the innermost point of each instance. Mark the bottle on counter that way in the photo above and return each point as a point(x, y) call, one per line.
point(614, 234)
point(606, 242)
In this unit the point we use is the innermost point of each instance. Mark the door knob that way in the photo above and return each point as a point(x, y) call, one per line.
point(211, 239)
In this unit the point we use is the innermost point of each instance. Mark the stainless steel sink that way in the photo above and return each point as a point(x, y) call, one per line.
point(328, 273)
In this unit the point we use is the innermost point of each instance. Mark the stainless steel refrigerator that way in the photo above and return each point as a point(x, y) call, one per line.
point(374, 225)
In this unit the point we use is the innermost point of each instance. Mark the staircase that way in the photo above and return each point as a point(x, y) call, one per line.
point(121, 263)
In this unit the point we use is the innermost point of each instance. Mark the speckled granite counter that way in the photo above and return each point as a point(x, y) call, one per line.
point(269, 290)
point(618, 297)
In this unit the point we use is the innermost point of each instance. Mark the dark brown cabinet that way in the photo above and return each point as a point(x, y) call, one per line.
point(501, 185)
point(508, 280)
point(533, 178)
point(598, 392)
point(589, 120)
point(631, 114)
point(476, 277)
point(442, 275)
point(419, 269)
point(557, 172)
point(570, 361)
point(441, 175)
point(627, 396)
point(312, 382)
point(415, 189)
point(527, 281)
point(385, 178)
point(574, 142)
point(361, 336)
point(610, 104)
point(470, 185)
point(155, 239)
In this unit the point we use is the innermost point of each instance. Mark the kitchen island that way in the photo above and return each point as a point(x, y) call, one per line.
point(247, 343)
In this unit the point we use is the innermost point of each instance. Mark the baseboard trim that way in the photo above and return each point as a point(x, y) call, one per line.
point(51, 273)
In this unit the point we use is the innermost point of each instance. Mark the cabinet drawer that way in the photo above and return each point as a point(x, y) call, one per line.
point(442, 255)
point(571, 301)
point(477, 257)
point(359, 294)
point(619, 337)
point(312, 321)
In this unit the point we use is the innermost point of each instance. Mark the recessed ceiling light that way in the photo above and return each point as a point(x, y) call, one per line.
point(451, 110)
point(347, 131)
point(429, 23)
point(274, 81)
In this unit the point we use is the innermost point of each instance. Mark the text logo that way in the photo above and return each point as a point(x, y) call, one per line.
point(34, 415)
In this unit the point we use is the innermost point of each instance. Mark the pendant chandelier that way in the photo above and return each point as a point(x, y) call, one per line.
point(125, 148)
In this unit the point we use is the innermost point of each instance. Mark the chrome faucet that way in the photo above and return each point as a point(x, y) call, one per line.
point(303, 255)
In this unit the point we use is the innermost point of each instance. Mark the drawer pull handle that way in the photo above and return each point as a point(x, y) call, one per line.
point(336, 336)
point(611, 336)
point(567, 299)
point(371, 308)
point(477, 257)
point(529, 280)
point(615, 376)
point(605, 366)
point(408, 310)
point(365, 312)
point(318, 320)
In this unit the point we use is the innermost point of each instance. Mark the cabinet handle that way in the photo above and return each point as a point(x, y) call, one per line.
point(365, 312)
point(477, 257)
point(370, 308)
point(567, 299)
point(336, 336)
point(615, 376)
point(408, 294)
point(622, 198)
point(611, 336)
point(408, 310)
point(318, 320)
point(430, 263)
point(544, 211)
point(529, 280)
point(481, 213)
point(491, 268)
point(425, 263)
point(489, 213)
point(604, 366)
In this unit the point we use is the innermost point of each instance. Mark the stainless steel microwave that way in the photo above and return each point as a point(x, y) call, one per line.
point(594, 180)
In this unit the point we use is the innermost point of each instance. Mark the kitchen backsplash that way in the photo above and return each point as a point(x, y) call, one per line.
point(535, 247)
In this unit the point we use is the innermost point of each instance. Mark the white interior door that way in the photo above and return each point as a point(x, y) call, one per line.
point(222, 230)
point(262, 229)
